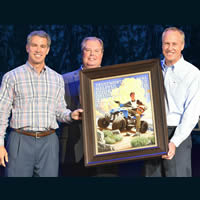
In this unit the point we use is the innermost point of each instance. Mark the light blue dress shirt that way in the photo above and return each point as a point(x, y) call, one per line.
point(182, 99)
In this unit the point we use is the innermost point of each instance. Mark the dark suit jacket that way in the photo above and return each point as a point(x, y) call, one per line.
point(71, 138)
point(71, 142)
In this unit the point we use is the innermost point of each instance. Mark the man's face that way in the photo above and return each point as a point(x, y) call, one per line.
point(172, 46)
point(37, 49)
point(133, 96)
point(92, 54)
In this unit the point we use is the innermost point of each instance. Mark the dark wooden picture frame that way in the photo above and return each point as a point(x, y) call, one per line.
point(107, 79)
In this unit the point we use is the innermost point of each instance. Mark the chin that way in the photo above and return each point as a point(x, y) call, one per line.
point(91, 66)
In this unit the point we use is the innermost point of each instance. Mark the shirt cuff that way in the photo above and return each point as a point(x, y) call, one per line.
point(1, 142)
point(175, 141)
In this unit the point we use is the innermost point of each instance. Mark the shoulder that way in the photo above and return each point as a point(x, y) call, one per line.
point(71, 76)
point(22, 68)
point(191, 70)
point(53, 75)
point(187, 69)
point(13, 74)
point(53, 72)
point(190, 66)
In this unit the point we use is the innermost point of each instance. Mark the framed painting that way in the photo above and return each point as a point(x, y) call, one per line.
point(124, 112)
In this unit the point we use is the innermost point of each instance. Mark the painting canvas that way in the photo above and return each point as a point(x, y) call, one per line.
point(123, 109)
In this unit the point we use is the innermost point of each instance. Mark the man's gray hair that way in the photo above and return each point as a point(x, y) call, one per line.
point(174, 29)
point(39, 33)
point(91, 38)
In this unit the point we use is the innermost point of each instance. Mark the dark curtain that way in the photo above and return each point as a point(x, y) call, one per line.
point(123, 43)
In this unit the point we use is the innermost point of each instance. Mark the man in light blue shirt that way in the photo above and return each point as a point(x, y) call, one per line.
point(182, 102)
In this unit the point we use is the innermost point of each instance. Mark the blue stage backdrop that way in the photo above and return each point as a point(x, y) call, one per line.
point(122, 44)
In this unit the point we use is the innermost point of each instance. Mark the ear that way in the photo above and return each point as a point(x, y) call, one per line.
point(27, 48)
point(183, 45)
point(48, 50)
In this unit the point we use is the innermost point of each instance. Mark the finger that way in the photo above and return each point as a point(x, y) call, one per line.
point(168, 157)
point(171, 154)
point(2, 162)
point(6, 157)
point(80, 110)
point(164, 156)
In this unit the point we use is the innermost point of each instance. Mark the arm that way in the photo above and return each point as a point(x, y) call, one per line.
point(6, 101)
point(64, 114)
point(140, 103)
point(3, 156)
point(190, 114)
point(189, 119)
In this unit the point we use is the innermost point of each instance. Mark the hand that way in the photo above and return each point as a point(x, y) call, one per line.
point(3, 156)
point(171, 152)
point(77, 114)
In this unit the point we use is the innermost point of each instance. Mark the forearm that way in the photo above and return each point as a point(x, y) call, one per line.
point(188, 121)
point(5, 110)
point(182, 132)
point(3, 127)
point(65, 116)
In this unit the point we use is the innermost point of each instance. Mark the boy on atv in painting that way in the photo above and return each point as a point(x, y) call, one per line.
point(126, 117)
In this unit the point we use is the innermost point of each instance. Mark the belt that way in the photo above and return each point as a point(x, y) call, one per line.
point(36, 134)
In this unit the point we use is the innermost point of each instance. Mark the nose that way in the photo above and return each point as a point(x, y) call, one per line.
point(91, 52)
point(170, 47)
point(38, 48)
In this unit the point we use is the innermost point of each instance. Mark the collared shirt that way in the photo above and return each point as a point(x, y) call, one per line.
point(182, 99)
point(34, 101)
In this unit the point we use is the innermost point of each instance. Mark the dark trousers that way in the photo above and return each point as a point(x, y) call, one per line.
point(32, 157)
point(78, 169)
point(179, 166)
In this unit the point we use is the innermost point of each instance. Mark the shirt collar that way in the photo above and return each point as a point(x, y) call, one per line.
point(165, 67)
point(82, 67)
point(176, 67)
point(33, 69)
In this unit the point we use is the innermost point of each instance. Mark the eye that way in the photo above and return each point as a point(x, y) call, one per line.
point(97, 50)
point(33, 45)
point(87, 50)
point(43, 46)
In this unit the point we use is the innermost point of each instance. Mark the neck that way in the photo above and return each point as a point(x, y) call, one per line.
point(90, 67)
point(171, 63)
point(38, 67)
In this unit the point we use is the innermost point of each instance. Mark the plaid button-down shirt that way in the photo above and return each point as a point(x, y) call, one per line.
point(35, 101)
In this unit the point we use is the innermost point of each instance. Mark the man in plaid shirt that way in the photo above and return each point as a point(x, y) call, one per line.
point(33, 94)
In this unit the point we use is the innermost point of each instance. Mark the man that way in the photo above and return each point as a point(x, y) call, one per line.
point(182, 86)
point(71, 137)
point(34, 94)
point(136, 108)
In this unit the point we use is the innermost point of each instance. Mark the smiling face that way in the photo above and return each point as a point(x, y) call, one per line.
point(37, 50)
point(172, 46)
point(92, 54)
